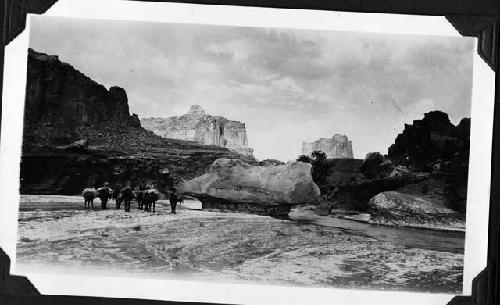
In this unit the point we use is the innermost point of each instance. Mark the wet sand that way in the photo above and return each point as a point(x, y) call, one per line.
point(56, 234)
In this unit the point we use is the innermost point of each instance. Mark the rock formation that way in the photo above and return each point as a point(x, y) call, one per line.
point(399, 203)
point(433, 144)
point(79, 134)
point(399, 209)
point(204, 129)
point(356, 194)
point(336, 147)
point(432, 138)
point(57, 94)
point(269, 190)
point(428, 160)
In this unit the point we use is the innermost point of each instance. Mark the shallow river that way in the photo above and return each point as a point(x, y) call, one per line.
point(409, 237)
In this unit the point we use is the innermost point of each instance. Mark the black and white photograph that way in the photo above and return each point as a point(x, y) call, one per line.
point(267, 155)
point(253, 155)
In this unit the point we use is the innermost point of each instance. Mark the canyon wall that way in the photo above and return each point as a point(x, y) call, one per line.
point(58, 93)
point(60, 99)
point(204, 129)
point(336, 147)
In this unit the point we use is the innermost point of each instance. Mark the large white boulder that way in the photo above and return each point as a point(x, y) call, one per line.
point(234, 182)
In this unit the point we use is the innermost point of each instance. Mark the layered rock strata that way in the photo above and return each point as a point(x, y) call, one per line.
point(238, 186)
point(202, 128)
point(336, 147)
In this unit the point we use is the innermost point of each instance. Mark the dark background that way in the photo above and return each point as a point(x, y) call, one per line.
point(479, 18)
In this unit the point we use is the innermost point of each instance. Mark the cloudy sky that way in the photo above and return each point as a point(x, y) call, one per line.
point(288, 86)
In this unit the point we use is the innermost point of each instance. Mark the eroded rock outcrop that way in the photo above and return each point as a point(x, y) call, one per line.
point(429, 139)
point(336, 147)
point(239, 186)
point(433, 144)
point(202, 128)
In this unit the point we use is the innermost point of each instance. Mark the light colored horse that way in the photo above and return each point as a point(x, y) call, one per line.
point(89, 194)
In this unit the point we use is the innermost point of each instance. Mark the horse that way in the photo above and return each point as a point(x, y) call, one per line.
point(150, 198)
point(139, 195)
point(104, 193)
point(89, 194)
point(126, 195)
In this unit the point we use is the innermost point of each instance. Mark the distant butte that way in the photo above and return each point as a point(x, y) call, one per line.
point(197, 126)
point(336, 147)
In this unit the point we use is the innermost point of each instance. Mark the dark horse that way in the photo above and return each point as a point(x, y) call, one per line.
point(104, 193)
point(89, 194)
point(150, 198)
point(126, 195)
point(140, 199)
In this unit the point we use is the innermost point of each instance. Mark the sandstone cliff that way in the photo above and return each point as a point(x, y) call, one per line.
point(59, 96)
point(204, 129)
point(79, 134)
point(336, 147)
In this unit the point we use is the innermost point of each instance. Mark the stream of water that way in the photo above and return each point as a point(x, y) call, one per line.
point(409, 237)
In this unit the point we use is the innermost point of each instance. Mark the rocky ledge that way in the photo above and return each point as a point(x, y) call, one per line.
point(234, 185)
point(399, 209)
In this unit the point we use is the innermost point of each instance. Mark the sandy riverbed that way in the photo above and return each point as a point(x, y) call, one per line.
point(59, 235)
